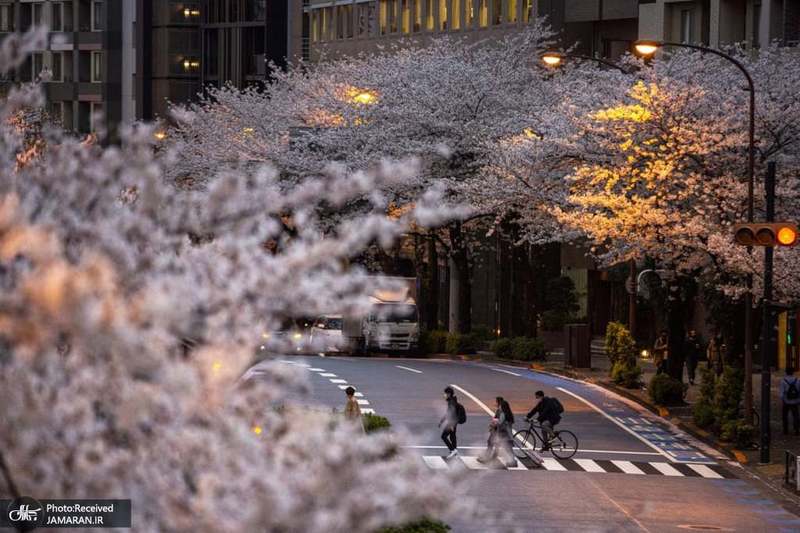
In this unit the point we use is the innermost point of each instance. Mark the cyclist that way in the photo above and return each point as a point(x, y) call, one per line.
point(549, 411)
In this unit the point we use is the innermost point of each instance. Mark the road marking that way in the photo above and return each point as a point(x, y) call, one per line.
point(338, 380)
point(589, 465)
point(473, 398)
point(618, 423)
point(580, 451)
point(704, 471)
point(344, 387)
point(517, 465)
point(317, 370)
point(362, 402)
point(419, 447)
point(627, 467)
point(409, 369)
point(368, 411)
point(505, 371)
point(666, 469)
point(551, 464)
point(328, 375)
point(435, 462)
point(472, 462)
point(358, 394)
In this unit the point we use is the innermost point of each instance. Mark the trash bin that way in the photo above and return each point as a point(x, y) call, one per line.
point(577, 346)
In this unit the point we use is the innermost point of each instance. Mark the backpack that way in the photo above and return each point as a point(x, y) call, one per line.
point(557, 406)
point(461, 413)
point(792, 392)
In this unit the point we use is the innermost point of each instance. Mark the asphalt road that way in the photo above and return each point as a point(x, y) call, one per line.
point(633, 471)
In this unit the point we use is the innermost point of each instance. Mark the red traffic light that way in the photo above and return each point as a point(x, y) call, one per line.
point(771, 234)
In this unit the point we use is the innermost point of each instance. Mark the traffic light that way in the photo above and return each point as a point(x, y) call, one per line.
point(766, 234)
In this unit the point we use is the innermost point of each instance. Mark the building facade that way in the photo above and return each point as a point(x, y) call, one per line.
point(83, 58)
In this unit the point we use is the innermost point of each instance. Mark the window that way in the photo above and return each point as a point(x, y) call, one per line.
point(417, 15)
point(429, 15)
point(57, 66)
point(37, 65)
point(366, 18)
point(527, 11)
point(340, 21)
point(57, 17)
point(97, 66)
point(511, 14)
point(36, 14)
point(57, 112)
point(406, 18)
point(497, 12)
point(442, 15)
point(314, 26)
point(6, 17)
point(383, 16)
point(348, 21)
point(98, 24)
point(686, 25)
point(455, 14)
point(483, 13)
point(469, 13)
point(96, 116)
point(392, 15)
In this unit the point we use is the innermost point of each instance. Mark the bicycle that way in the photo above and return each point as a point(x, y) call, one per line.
point(563, 445)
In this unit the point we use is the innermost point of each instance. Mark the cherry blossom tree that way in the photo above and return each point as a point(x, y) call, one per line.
point(109, 265)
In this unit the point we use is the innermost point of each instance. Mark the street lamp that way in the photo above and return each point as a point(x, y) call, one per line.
point(557, 59)
point(646, 48)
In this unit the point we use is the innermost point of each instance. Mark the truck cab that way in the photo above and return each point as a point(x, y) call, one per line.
point(392, 326)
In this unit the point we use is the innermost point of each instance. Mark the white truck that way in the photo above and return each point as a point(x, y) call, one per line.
point(392, 323)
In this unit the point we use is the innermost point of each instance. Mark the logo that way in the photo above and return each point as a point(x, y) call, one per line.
point(25, 513)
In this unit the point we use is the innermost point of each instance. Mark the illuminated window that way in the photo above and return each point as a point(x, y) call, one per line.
point(497, 12)
point(469, 13)
point(383, 16)
point(417, 15)
point(483, 13)
point(314, 26)
point(429, 14)
point(455, 14)
point(527, 11)
point(511, 15)
point(392, 17)
point(443, 15)
point(406, 18)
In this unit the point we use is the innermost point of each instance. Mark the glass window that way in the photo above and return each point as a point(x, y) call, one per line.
point(6, 17)
point(37, 13)
point(527, 11)
point(57, 112)
point(429, 14)
point(340, 16)
point(57, 66)
point(315, 26)
point(469, 13)
point(406, 17)
point(511, 15)
point(97, 15)
point(483, 12)
point(384, 16)
point(686, 25)
point(417, 15)
point(455, 14)
point(37, 65)
point(497, 12)
point(96, 115)
point(443, 15)
point(366, 18)
point(97, 66)
point(57, 18)
point(348, 21)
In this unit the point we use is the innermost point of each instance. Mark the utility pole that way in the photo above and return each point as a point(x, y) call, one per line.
point(632, 290)
point(766, 322)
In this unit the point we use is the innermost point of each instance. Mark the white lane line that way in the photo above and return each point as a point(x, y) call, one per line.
point(580, 451)
point(617, 452)
point(409, 369)
point(435, 462)
point(551, 464)
point(329, 375)
point(505, 371)
point(362, 401)
point(418, 447)
point(620, 424)
point(627, 467)
point(343, 387)
point(589, 465)
point(472, 462)
point(338, 380)
point(358, 394)
point(317, 370)
point(666, 469)
point(473, 398)
point(368, 411)
point(704, 471)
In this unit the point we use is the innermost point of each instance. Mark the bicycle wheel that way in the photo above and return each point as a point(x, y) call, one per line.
point(564, 445)
point(524, 441)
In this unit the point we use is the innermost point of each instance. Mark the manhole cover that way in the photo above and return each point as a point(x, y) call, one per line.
point(700, 527)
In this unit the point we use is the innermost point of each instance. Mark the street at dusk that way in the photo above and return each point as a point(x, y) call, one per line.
point(400, 266)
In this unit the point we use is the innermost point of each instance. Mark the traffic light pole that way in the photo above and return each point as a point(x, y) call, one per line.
point(767, 325)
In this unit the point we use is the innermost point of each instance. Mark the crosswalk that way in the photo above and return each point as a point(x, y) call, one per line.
point(595, 466)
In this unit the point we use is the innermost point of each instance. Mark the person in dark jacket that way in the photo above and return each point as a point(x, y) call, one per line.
point(548, 416)
point(694, 348)
point(789, 391)
point(449, 422)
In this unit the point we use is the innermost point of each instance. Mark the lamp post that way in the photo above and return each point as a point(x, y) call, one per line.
point(646, 48)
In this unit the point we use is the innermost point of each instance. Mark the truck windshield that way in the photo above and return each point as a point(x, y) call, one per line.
point(396, 312)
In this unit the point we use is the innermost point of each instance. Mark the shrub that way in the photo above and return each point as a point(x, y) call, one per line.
point(745, 435)
point(554, 320)
point(665, 390)
point(434, 341)
point(620, 345)
point(483, 334)
point(627, 376)
point(426, 525)
point(503, 348)
point(560, 296)
point(373, 422)
point(527, 349)
point(461, 343)
point(703, 414)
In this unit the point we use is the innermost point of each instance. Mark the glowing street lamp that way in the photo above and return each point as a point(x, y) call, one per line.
point(646, 48)
point(552, 59)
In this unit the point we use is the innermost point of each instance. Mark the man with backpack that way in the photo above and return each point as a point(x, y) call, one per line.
point(549, 411)
point(790, 396)
point(455, 414)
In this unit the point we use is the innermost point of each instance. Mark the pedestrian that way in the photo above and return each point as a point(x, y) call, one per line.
point(549, 411)
point(450, 421)
point(694, 348)
point(790, 397)
point(661, 352)
point(714, 354)
point(501, 433)
point(352, 411)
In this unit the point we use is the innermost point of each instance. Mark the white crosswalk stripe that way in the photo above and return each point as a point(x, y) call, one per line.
point(705, 471)
point(551, 464)
point(666, 469)
point(627, 467)
point(435, 462)
point(589, 465)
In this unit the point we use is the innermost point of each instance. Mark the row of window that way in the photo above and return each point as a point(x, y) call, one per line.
point(385, 17)
point(58, 63)
point(88, 114)
point(58, 16)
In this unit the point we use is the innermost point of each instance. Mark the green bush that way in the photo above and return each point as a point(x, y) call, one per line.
point(503, 348)
point(483, 334)
point(745, 435)
point(426, 525)
point(433, 341)
point(664, 390)
point(627, 376)
point(554, 320)
point(458, 343)
point(527, 349)
point(373, 422)
point(703, 414)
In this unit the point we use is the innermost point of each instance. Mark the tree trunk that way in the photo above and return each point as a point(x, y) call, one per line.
point(460, 275)
point(432, 301)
